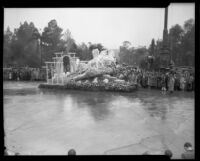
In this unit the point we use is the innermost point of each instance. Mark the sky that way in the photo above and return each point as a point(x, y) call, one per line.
point(108, 26)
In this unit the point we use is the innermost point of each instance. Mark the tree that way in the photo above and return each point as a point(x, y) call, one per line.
point(51, 37)
point(188, 25)
point(176, 34)
point(140, 53)
point(130, 55)
point(7, 53)
point(8, 35)
point(126, 44)
point(83, 52)
point(69, 42)
point(182, 44)
point(188, 43)
point(124, 53)
point(27, 45)
point(22, 46)
point(98, 46)
point(152, 47)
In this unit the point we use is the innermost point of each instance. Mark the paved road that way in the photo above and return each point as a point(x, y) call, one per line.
point(40, 122)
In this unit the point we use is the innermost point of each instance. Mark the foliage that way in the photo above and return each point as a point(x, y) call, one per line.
point(7, 56)
point(181, 44)
point(68, 43)
point(84, 53)
point(152, 48)
point(20, 48)
point(98, 46)
point(51, 40)
point(131, 56)
point(26, 46)
point(188, 43)
point(126, 44)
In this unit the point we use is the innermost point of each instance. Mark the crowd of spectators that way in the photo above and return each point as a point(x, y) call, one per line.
point(24, 74)
point(168, 81)
point(165, 81)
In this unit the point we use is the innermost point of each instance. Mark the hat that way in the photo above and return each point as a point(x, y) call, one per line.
point(188, 146)
point(71, 152)
point(168, 153)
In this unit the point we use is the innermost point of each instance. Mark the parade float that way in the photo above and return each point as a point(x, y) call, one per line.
point(99, 74)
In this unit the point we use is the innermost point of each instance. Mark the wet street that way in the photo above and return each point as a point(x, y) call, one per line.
point(50, 122)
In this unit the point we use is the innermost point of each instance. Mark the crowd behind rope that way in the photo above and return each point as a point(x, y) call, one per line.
point(167, 81)
point(24, 74)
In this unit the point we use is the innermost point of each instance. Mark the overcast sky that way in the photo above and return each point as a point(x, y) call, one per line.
point(109, 26)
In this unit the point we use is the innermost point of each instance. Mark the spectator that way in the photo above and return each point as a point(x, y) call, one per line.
point(168, 153)
point(71, 152)
point(146, 153)
point(171, 83)
point(193, 82)
point(190, 81)
point(182, 82)
point(177, 82)
point(144, 80)
point(159, 86)
point(139, 81)
point(10, 75)
point(18, 74)
point(37, 73)
point(5, 152)
point(149, 80)
point(22, 74)
point(32, 75)
point(163, 84)
point(166, 81)
point(14, 74)
point(189, 152)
